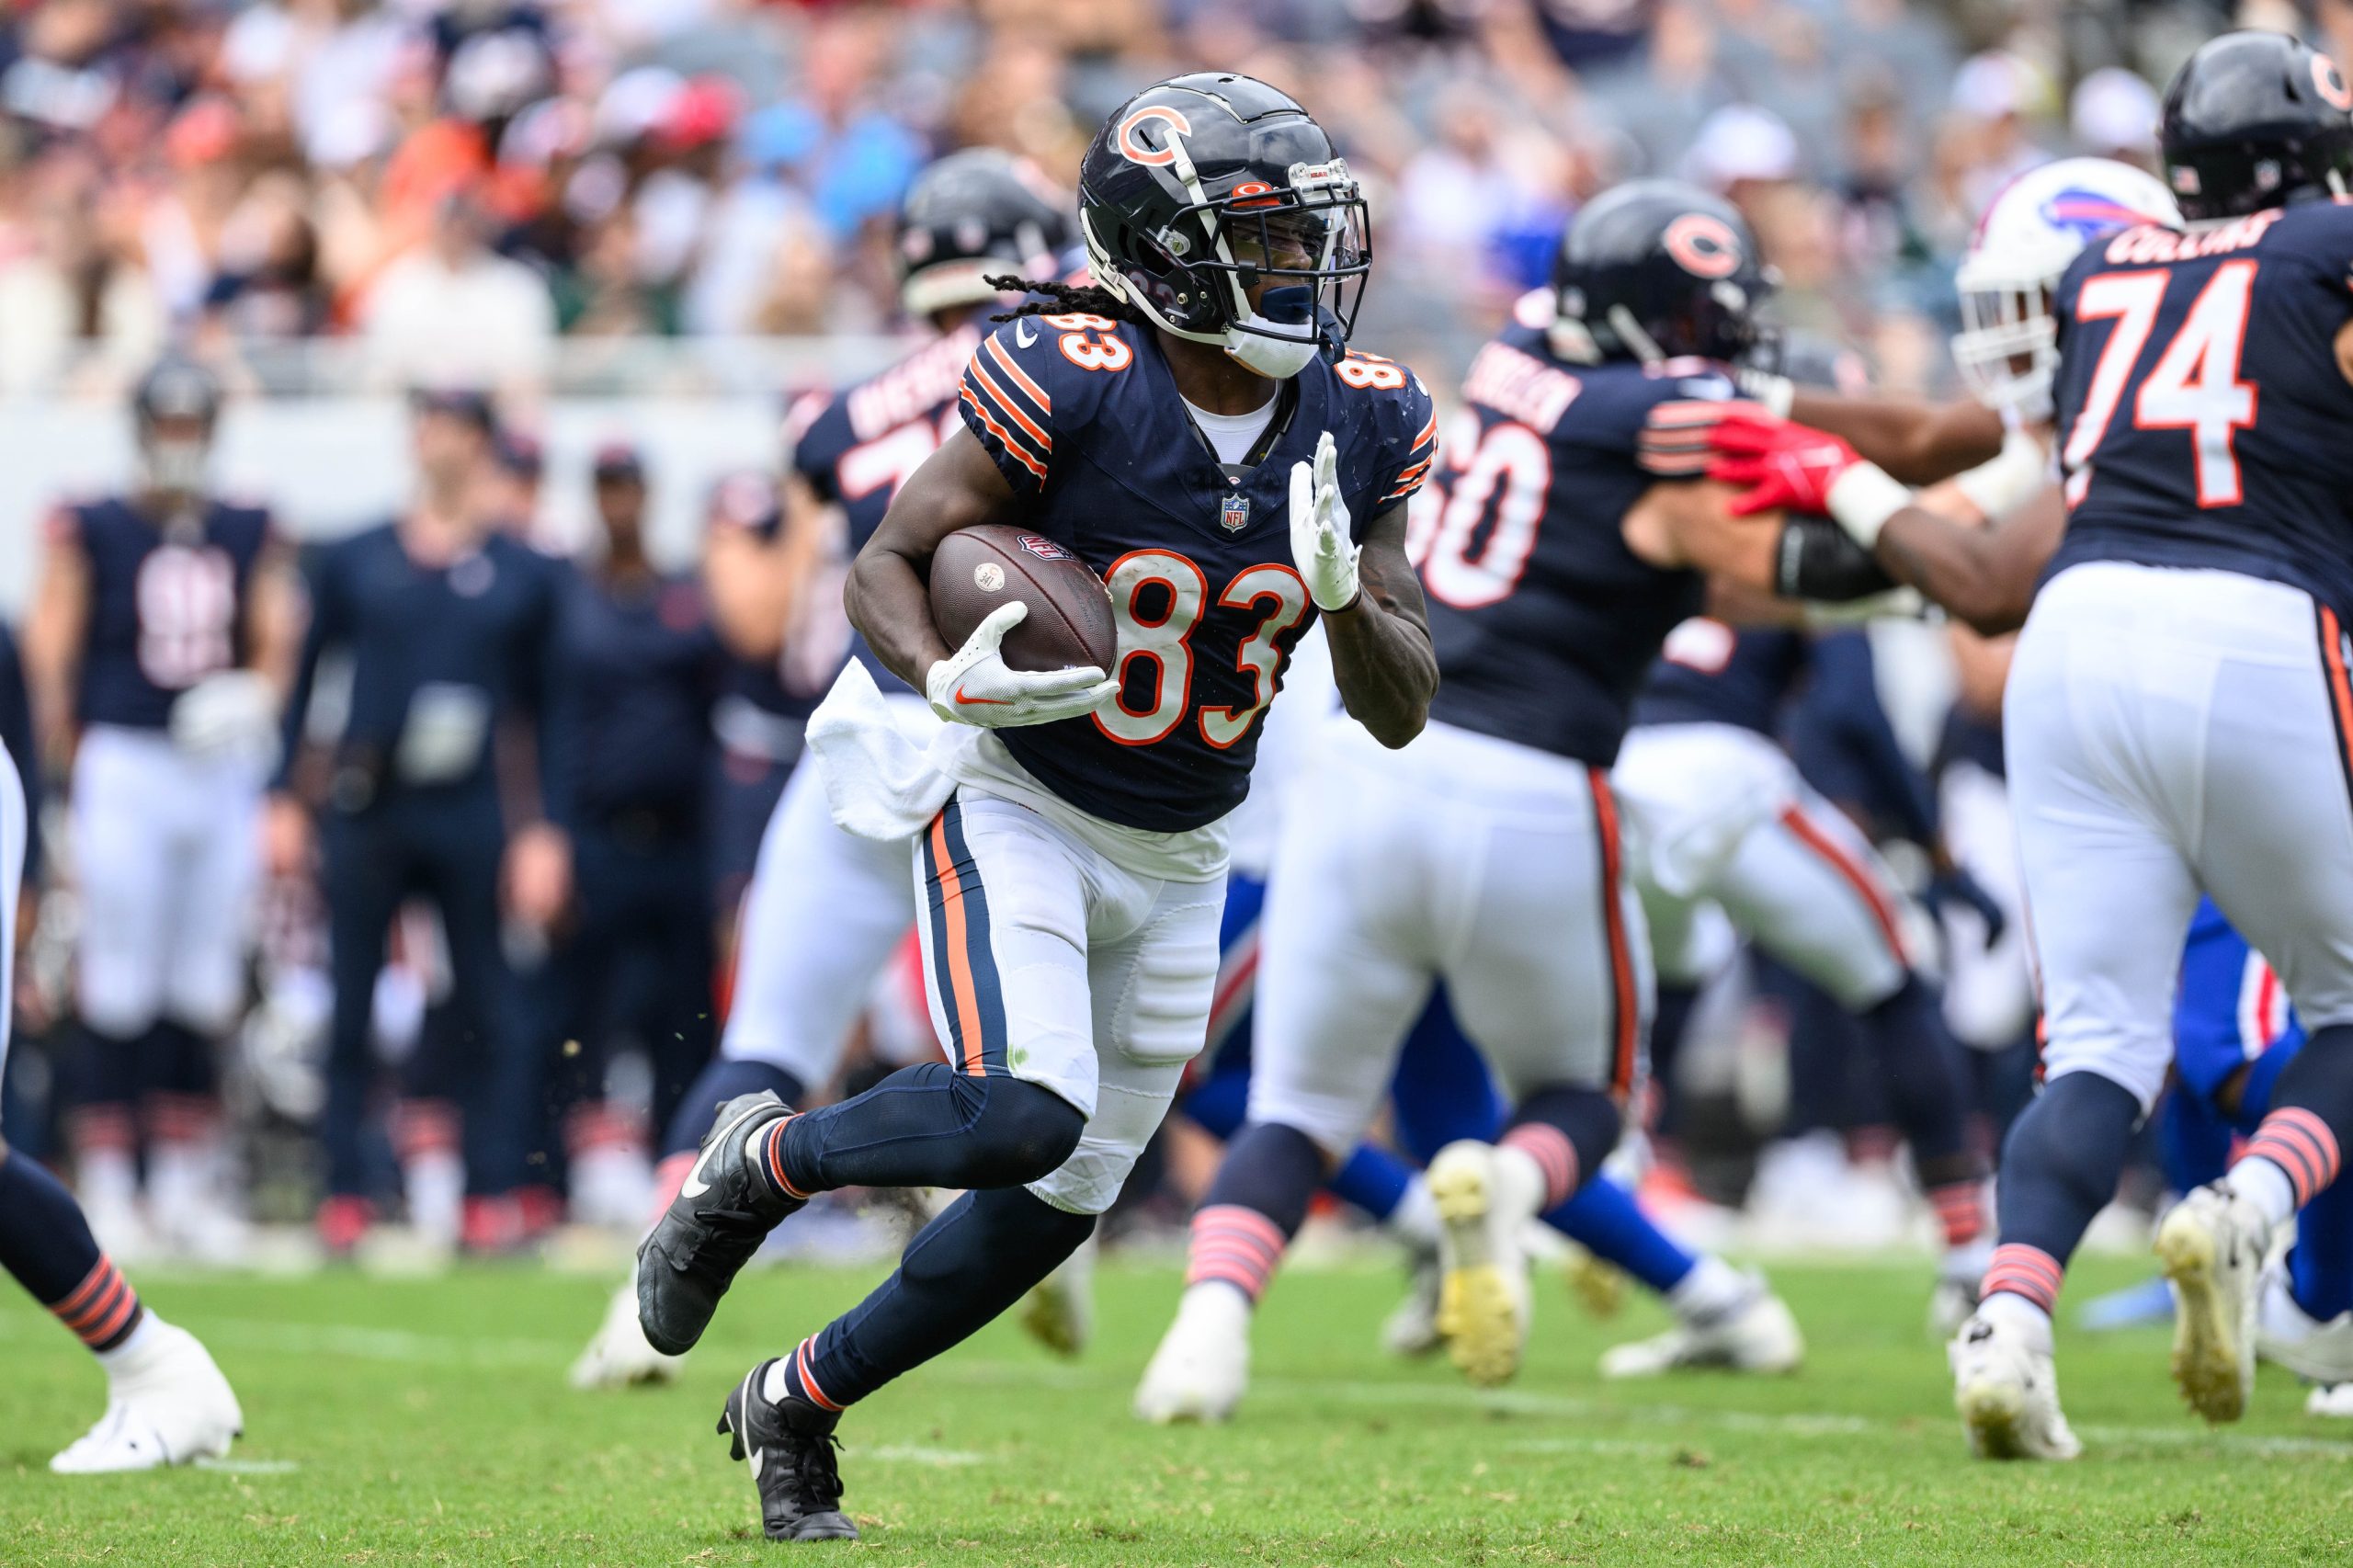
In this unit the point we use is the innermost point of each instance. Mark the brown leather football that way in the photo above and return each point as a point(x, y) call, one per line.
point(976, 570)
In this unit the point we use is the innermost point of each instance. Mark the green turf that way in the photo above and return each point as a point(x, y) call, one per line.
point(415, 1421)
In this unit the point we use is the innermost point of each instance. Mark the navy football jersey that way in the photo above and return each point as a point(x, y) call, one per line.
point(640, 664)
point(1082, 417)
point(2203, 416)
point(167, 603)
point(858, 447)
point(1708, 673)
point(442, 656)
point(1545, 623)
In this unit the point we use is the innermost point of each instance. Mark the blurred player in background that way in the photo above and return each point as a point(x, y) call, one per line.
point(450, 779)
point(158, 648)
point(166, 1403)
point(1442, 1092)
point(826, 908)
point(1488, 854)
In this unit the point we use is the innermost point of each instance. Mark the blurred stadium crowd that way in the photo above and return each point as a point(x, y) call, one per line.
point(451, 191)
point(455, 183)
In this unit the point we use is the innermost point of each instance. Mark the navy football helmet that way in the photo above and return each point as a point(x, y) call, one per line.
point(1197, 191)
point(174, 410)
point(2256, 119)
point(970, 215)
point(1654, 270)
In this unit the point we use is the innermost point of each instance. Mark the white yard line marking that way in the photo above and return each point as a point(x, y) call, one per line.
point(911, 1453)
point(249, 1467)
point(398, 1344)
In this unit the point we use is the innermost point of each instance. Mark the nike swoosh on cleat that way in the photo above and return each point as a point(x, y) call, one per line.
point(981, 702)
point(694, 1185)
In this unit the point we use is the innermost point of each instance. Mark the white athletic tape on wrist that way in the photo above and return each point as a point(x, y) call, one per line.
point(1863, 498)
point(2013, 476)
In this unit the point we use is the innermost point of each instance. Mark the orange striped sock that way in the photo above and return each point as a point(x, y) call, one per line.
point(2301, 1144)
point(1960, 1209)
point(2027, 1272)
point(799, 1377)
point(1235, 1245)
point(767, 1152)
point(103, 1309)
point(1555, 1155)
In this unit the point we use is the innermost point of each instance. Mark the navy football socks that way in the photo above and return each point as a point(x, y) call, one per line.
point(46, 1243)
point(964, 1269)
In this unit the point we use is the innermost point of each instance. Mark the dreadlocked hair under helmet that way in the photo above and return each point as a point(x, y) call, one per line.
point(1058, 299)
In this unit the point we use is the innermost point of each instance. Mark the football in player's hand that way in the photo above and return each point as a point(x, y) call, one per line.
point(977, 570)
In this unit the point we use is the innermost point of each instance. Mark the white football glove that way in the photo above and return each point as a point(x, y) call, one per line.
point(231, 714)
point(1326, 557)
point(973, 685)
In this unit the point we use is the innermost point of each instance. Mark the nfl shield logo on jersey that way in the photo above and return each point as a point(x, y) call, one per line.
point(1234, 514)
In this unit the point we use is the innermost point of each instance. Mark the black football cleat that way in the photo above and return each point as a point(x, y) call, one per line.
point(710, 1230)
point(790, 1444)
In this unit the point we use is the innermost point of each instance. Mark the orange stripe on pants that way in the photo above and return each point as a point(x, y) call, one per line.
point(1866, 886)
point(964, 995)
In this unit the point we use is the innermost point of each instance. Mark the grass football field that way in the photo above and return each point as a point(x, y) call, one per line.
point(415, 1421)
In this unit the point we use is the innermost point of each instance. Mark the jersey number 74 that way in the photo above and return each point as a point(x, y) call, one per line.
point(2193, 386)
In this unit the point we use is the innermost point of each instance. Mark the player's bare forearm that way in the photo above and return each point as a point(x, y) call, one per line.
point(53, 640)
point(888, 595)
point(1381, 645)
point(754, 585)
point(274, 621)
point(1916, 442)
point(1983, 577)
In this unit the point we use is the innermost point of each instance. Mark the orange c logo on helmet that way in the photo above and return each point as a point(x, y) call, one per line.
point(2333, 90)
point(1703, 246)
point(1131, 147)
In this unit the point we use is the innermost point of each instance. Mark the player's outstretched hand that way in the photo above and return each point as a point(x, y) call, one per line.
point(1326, 557)
point(974, 685)
point(1777, 462)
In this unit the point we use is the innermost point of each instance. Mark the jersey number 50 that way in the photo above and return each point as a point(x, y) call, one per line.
point(1164, 642)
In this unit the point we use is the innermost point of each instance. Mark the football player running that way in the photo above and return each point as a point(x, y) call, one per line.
point(1193, 427)
point(826, 908)
point(1575, 531)
point(158, 646)
point(2178, 709)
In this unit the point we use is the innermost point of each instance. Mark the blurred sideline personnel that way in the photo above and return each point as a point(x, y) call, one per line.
point(2205, 536)
point(449, 780)
point(1572, 534)
point(158, 649)
point(1195, 421)
point(826, 908)
point(643, 663)
point(166, 1403)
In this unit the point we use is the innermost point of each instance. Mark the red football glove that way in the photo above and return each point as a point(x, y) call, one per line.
point(1777, 462)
